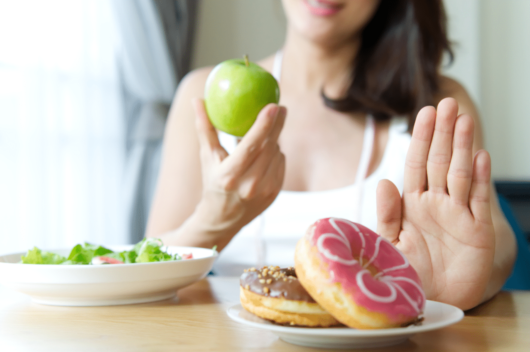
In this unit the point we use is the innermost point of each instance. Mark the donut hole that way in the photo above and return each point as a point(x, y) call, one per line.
point(371, 268)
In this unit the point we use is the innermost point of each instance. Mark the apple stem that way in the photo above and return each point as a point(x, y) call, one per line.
point(246, 60)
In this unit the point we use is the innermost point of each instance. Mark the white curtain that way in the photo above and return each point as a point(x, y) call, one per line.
point(62, 147)
point(148, 82)
point(156, 39)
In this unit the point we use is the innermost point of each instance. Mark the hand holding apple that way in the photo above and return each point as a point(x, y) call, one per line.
point(240, 186)
point(236, 91)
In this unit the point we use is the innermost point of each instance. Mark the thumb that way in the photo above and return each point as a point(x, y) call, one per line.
point(388, 211)
point(207, 134)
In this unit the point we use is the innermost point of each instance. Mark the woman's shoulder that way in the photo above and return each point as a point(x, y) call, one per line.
point(268, 62)
point(449, 84)
point(194, 81)
point(450, 87)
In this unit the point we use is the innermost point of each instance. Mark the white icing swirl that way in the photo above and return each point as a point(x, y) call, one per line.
point(388, 299)
point(333, 223)
point(376, 251)
point(413, 283)
point(326, 253)
point(390, 281)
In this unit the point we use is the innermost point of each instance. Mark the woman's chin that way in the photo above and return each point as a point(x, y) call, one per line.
point(323, 37)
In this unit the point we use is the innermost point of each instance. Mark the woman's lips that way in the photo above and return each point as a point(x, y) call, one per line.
point(322, 7)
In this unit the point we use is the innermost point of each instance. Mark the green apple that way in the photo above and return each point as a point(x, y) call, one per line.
point(235, 92)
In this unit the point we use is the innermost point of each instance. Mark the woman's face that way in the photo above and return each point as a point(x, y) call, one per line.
point(329, 21)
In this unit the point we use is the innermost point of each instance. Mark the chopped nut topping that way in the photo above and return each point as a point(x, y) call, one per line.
point(261, 281)
point(252, 269)
point(265, 272)
point(266, 290)
point(269, 281)
point(259, 276)
point(285, 279)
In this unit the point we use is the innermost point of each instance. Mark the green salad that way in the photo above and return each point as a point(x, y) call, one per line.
point(146, 251)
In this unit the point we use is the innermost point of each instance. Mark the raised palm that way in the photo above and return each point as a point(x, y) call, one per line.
point(443, 223)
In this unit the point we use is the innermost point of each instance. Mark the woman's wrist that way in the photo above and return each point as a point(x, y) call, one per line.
point(505, 255)
point(204, 228)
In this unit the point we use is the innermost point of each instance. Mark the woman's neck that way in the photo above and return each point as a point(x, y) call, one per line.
point(310, 66)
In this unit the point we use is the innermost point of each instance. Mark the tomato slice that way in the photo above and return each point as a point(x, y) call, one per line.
point(187, 256)
point(110, 260)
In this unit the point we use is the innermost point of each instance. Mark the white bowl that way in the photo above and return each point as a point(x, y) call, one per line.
point(100, 285)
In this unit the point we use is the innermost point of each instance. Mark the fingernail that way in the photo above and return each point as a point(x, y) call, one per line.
point(273, 112)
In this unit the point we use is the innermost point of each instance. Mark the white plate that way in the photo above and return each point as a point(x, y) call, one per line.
point(100, 285)
point(437, 315)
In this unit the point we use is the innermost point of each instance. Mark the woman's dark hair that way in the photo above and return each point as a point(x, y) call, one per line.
point(396, 69)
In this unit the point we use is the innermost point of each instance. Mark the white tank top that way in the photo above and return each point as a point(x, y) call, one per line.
point(271, 238)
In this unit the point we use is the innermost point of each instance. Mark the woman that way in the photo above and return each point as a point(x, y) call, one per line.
point(347, 71)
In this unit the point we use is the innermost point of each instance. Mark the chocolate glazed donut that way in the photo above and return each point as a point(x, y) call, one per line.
point(276, 294)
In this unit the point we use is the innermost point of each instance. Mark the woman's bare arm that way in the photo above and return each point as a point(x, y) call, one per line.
point(205, 196)
point(179, 186)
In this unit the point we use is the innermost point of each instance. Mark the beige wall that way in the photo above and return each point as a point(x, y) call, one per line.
point(228, 29)
point(505, 73)
point(492, 46)
point(492, 61)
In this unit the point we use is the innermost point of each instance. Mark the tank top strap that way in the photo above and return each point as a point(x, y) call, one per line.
point(367, 149)
point(277, 65)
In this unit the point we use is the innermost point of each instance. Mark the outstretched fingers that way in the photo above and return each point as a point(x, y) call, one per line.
point(416, 162)
point(388, 211)
point(440, 151)
point(479, 196)
point(461, 170)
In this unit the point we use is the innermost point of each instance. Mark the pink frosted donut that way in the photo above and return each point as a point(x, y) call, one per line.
point(358, 276)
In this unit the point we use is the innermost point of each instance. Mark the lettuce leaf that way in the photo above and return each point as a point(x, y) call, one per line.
point(150, 250)
point(147, 250)
point(36, 256)
point(52, 258)
point(84, 254)
point(128, 257)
